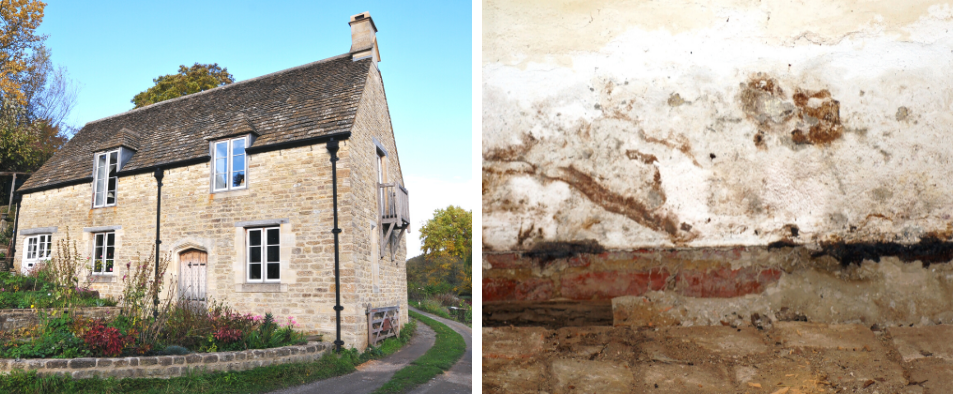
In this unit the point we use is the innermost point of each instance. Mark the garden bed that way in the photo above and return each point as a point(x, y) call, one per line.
point(143, 325)
point(167, 366)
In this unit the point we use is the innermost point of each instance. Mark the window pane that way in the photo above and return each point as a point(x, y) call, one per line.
point(254, 254)
point(272, 236)
point(254, 237)
point(238, 147)
point(238, 163)
point(113, 163)
point(100, 166)
point(99, 266)
point(238, 179)
point(31, 248)
point(272, 254)
point(110, 239)
point(111, 192)
point(109, 265)
point(221, 150)
point(255, 271)
point(221, 171)
point(110, 252)
point(220, 181)
point(273, 271)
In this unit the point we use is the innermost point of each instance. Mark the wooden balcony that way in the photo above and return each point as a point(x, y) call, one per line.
point(394, 208)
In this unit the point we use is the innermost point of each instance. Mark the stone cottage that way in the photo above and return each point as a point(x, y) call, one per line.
point(246, 209)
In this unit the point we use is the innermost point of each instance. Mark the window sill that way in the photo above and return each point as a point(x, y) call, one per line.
point(230, 193)
point(261, 288)
point(102, 278)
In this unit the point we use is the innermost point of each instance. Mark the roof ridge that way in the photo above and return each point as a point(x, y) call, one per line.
point(279, 72)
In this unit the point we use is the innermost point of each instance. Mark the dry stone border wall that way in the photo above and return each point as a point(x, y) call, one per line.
point(13, 319)
point(168, 366)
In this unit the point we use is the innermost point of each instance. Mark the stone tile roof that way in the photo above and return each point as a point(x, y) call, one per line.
point(308, 101)
point(125, 138)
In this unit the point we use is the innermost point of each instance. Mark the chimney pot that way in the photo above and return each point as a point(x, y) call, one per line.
point(364, 37)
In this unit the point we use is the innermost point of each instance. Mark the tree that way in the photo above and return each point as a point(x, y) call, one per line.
point(448, 243)
point(18, 22)
point(198, 78)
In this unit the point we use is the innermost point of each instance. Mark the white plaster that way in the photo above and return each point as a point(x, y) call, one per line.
point(587, 112)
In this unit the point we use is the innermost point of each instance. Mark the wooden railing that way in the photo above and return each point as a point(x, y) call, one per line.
point(395, 216)
point(395, 204)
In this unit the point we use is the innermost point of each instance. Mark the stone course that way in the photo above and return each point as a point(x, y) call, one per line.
point(168, 366)
point(12, 319)
point(802, 357)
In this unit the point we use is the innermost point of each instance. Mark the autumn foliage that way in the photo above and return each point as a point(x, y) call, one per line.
point(447, 245)
point(198, 78)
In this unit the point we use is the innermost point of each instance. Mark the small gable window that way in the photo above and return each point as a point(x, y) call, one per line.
point(104, 179)
point(230, 165)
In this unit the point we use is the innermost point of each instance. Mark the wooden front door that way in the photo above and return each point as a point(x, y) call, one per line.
point(192, 275)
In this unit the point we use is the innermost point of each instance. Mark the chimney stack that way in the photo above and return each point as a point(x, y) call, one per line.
point(363, 37)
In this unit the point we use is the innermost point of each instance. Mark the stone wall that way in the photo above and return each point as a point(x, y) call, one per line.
point(168, 366)
point(13, 319)
point(383, 279)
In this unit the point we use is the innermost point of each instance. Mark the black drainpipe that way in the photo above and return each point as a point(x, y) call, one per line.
point(333, 149)
point(155, 300)
point(16, 222)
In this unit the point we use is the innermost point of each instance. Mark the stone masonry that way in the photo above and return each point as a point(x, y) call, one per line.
point(790, 358)
point(168, 366)
point(13, 319)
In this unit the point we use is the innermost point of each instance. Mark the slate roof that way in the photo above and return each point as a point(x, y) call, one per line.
point(308, 101)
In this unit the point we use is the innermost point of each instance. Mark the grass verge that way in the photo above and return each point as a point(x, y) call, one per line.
point(252, 381)
point(447, 349)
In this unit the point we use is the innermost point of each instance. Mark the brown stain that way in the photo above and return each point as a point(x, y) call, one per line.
point(828, 125)
point(643, 157)
point(512, 152)
point(681, 143)
point(615, 203)
point(943, 235)
point(765, 84)
point(818, 124)
point(759, 140)
point(649, 159)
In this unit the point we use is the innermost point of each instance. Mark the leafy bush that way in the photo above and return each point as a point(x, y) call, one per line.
point(106, 341)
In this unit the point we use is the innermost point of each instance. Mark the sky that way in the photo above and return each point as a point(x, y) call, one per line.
point(114, 49)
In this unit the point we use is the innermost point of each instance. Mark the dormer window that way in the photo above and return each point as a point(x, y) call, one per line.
point(104, 178)
point(230, 168)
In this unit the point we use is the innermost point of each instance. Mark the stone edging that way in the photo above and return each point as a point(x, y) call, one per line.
point(167, 366)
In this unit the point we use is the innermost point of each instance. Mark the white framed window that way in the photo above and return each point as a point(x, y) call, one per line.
point(38, 248)
point(104, 253)
point(104, 178)
point(229, 164)
point(263, 255)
